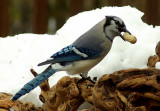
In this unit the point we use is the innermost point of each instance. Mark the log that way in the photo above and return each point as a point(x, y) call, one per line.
point(131, 89)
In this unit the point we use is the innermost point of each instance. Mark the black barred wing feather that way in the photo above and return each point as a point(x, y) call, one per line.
point(69, 54)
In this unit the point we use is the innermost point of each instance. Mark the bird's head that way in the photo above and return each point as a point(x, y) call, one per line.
point(113, 27)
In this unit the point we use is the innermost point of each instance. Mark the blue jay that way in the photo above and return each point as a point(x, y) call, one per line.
point(83, 54)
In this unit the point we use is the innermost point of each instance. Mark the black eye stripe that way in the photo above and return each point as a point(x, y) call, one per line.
point(117, 22)
point(121, 25)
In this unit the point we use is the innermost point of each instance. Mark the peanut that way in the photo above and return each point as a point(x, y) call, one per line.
point(130, 38)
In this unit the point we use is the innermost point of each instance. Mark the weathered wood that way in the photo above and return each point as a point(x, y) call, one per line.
point(124, 90)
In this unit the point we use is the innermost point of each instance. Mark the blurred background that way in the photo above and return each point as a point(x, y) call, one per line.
point(47, 16)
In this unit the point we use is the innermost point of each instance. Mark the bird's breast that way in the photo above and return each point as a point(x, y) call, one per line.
point(79, 67)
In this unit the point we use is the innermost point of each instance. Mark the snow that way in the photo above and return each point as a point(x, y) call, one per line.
point(22, 52)
point(158, 65)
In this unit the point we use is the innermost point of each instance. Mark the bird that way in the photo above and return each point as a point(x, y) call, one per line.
point(82, 55)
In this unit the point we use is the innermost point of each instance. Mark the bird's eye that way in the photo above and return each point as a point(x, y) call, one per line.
point(117, 22)
point(122, 25)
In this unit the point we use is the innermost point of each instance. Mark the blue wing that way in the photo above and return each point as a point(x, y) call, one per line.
point(71, 53)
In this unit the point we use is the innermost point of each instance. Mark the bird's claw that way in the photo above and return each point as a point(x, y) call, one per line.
point(86, 78)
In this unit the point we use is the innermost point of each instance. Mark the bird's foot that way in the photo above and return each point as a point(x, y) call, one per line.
point(86, 78)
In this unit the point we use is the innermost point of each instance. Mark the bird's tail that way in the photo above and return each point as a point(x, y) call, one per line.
point(34, 83)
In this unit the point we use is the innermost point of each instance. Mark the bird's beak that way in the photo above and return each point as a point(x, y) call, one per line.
point(123, 30)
